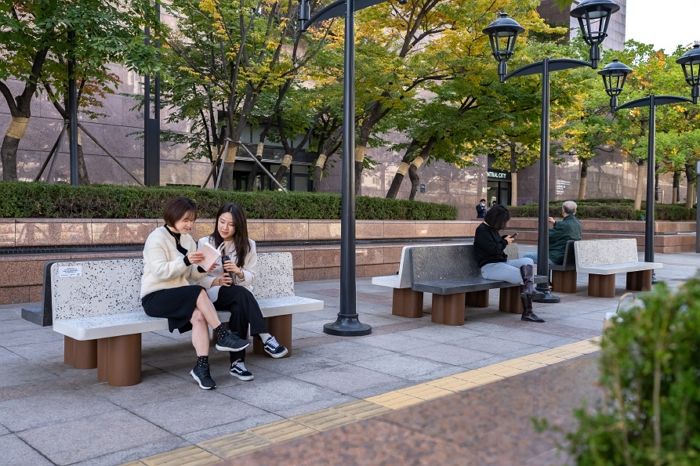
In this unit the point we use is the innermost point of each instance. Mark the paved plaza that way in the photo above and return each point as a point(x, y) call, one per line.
point(410, 393)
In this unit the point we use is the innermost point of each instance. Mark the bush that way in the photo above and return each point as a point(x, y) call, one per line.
point(28, 200)
point(650, 375)
point(610, 209)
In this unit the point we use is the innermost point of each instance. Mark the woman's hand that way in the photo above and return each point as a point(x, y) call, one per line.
point(195, 257)
point(509, 239)
point(223, 280)
point(231, 266)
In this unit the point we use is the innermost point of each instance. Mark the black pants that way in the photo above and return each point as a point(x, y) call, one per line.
point(244, 309)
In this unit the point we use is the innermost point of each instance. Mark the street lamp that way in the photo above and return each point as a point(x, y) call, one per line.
point(347, 322)
point(614, 75)
point(593, 18)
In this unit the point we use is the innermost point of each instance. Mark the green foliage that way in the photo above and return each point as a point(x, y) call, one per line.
point(31, 200)
point(618, 209)
point(650, 375)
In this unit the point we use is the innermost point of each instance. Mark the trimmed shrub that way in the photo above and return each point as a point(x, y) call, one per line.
point(610, 209)
point(31, 200)
point(650, 375)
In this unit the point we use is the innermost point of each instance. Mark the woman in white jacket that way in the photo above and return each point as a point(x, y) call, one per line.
point(172, 288)
point(230, 281)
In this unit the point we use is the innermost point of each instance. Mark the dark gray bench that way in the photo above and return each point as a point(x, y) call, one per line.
point(454, 278)
point(564, 275)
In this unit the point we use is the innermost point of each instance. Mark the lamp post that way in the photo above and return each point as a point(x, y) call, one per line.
point(614, 75)
point(593, 18)
point(347, 322)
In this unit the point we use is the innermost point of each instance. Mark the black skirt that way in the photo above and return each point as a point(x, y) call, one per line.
point(175, 304)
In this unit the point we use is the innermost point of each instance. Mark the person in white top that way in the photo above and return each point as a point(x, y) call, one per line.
point(172, 287)
point(230, 281)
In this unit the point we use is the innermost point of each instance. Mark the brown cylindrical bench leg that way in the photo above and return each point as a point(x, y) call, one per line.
point(80, 354)
point(124, 360)
point(102, 352)
point(639, 281)
point(448, 309)
point(601, 286)
point(477, 299)
point(564, 281)
point(281, 328)
point(509, 300)
point(407, 303)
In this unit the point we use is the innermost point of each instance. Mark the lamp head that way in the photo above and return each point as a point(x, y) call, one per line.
point(690, 61)
point(614, 75)
point(593, 19)
point(304, 14)
point(503, 32)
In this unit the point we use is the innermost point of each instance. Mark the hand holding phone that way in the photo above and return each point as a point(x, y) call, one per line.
point(513, 235)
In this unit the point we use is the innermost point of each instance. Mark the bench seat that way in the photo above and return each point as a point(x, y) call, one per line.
point(602, 259)
point(458, 286)
point(391, 281)
point(96, 306)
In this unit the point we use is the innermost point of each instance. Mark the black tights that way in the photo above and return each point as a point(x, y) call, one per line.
point(245, 311)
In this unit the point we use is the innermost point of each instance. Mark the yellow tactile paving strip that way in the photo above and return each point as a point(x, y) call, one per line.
point(229, 446)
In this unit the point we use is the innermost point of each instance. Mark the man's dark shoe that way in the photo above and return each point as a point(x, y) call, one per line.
point(227, 341)
point(200, 373)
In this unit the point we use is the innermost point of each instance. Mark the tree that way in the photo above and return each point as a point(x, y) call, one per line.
point(36, 47)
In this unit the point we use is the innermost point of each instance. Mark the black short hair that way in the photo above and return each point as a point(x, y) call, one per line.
point(497, 216)
point(177, 208)
point(482, 200)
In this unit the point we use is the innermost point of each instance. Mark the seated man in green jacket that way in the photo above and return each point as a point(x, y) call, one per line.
point(569, 228)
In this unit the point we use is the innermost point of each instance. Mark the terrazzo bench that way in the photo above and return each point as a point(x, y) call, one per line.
point(96, 306)
point(453, 276)
point(405, 302)
point(602, 259)
point(564, 275)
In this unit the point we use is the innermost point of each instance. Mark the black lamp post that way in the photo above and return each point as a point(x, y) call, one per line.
point(347, 322)
point(614, 75)
point(593, 18)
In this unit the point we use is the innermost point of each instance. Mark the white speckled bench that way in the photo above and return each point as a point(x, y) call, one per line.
point(603, 258)
point(96, 306)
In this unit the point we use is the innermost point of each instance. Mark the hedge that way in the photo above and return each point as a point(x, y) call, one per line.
point(41, 200)
point(617, 209)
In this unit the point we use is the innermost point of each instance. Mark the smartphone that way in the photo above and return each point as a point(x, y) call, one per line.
point(513, 235)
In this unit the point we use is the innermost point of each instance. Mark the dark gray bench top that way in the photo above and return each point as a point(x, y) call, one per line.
point(448, 270)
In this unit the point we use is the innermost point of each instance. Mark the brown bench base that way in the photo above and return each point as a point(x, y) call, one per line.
point(448, 309)
point(477, 299)
point(407, 303)
point(601, 286)
point(564, 281)
point(117, 359)
point(639, 281)
point(509, 300)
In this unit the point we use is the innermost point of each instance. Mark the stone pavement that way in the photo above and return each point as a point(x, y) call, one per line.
point(53, 414)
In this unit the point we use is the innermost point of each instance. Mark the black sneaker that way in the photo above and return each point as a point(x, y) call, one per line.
point(239, 370)
point(274, 349)
point(200, 373)
point(227, 341)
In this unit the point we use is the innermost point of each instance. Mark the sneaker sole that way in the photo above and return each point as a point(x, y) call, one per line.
point(199, 382)
point(227, 348)
point(278, 355)
point(245, 378)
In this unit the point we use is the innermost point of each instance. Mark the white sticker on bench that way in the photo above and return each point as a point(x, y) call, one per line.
point(70, 271)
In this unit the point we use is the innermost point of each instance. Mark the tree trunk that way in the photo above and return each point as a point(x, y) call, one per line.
point(676, 196)
point(255, 171)
point(10, 143)
point(415, 180)
point(284, 168)
point(639, 193)
point(398, 179)
point(83, 178)
point(691, 187)
point(360, 152)
point(583, 182)
point(318, 171)
point(227, 170)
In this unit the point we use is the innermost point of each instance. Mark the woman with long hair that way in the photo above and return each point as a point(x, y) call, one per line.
point(489, 249)
point(171, 287)
point(230, 280)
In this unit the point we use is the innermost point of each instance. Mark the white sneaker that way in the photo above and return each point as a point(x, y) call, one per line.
point(274, 348)
point(239, 370)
